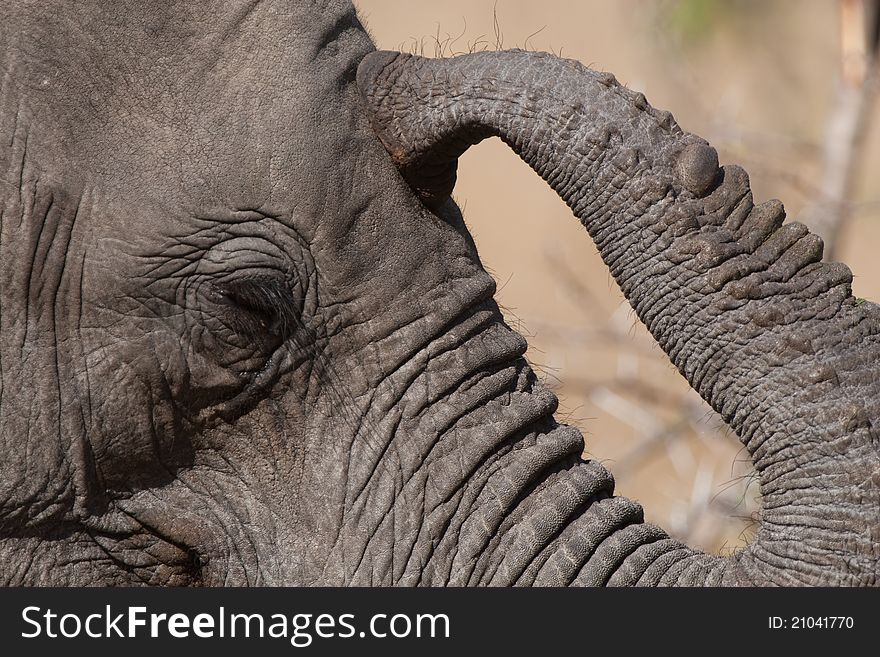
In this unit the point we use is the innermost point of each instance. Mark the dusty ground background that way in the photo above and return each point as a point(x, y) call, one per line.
point(759, 79)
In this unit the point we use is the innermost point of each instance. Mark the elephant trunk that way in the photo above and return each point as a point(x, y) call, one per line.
point(743, 305)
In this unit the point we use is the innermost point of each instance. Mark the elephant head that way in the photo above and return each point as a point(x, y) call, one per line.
point(245, 336)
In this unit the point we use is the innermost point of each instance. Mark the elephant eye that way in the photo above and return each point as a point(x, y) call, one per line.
point(260, 305)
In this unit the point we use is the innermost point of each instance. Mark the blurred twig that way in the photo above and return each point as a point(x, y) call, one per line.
point(843, 152)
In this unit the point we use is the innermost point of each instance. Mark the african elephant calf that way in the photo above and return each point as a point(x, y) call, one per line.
point(246, 338)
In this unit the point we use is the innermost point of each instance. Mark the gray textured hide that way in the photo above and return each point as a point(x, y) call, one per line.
point(245, 336)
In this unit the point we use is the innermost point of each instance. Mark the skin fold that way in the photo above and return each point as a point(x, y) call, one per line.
point(246, 338)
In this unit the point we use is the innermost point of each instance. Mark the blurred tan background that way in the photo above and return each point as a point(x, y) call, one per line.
point(764, 81)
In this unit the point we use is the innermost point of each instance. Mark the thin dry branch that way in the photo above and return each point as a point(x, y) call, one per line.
point(843, 153)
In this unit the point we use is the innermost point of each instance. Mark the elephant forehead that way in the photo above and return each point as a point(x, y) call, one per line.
point(82, 38)
point(177, 91)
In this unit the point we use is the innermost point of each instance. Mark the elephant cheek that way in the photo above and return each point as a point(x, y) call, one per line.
point(139, 430)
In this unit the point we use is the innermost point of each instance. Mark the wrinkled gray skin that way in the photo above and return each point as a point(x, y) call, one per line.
point(243, 343)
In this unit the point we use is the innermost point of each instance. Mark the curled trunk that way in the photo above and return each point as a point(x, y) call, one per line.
point(741, 302)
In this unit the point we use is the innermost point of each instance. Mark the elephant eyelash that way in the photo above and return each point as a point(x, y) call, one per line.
point(267, 303)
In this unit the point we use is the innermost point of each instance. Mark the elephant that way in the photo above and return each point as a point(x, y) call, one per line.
point(246, 337)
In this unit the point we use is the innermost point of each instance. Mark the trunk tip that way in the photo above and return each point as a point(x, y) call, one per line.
point(697, 168)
